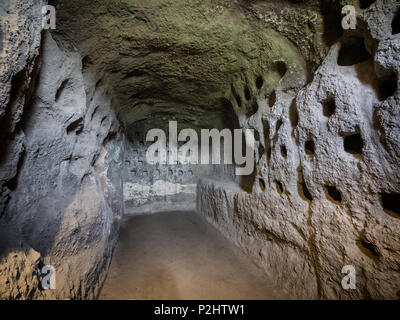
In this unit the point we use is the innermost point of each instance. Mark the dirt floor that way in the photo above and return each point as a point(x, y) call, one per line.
point(178, 255)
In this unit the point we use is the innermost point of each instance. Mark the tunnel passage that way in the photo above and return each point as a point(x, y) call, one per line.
point(77, 103)
point(208, 74)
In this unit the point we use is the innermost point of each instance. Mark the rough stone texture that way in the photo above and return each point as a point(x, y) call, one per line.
point(66, 200)
point(19, 265)
point(20, 25)
point(183, 59)
point(317, 203)
point(326, 188)
point(150, 188)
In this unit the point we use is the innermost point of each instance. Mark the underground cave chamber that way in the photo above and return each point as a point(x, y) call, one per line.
point(78, 193)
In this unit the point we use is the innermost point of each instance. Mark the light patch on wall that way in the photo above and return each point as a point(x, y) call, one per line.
point(140, 194)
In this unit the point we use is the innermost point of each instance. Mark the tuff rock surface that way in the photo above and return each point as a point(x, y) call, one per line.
point(327, 188)
point(61, 186)
point(76, 102)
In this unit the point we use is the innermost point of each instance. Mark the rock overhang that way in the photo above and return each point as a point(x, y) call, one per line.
point(187, 60)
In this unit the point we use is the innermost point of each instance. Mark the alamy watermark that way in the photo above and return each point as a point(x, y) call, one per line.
point(49, 17)
point(48, 274)
point(349, 20)
point(161, 152)
point(349, 281)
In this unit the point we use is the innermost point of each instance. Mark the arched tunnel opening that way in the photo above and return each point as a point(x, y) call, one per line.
point(198, 149)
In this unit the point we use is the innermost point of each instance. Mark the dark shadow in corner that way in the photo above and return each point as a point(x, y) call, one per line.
point(331, 11)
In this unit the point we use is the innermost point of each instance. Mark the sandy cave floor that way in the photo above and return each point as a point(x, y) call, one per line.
point(178, 255)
